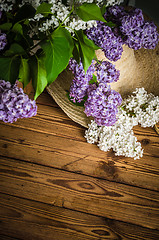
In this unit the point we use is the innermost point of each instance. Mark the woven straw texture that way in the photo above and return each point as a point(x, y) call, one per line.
point(137, 69)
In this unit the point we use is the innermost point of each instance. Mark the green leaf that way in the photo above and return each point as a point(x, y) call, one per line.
point(24, 72)
point(87, 51)
point(14, 49)
point(62, 32)
point(9, 15)
point(90, 11)
point(5, 26)
point(25, 12)
point(26, 22)
point(44, 8)
point(110, 24)
point(80, 104)
point(58, 50)
point(38, 75)
point(76, 52)
point(17, 28)
point(88, 42)
point(93, 80)
point(9, 68)
point(103, 9)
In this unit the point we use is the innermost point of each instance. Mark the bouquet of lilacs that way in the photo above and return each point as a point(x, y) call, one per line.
point(114, 118)
point(39, 39)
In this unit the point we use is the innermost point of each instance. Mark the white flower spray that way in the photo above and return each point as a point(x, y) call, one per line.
point(60, 13)
point(139, 108)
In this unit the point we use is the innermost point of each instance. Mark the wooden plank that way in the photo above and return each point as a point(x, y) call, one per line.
point(46, 99)
point(5, 237)
point(81, 193)
point(26, 219)
point(62, 145)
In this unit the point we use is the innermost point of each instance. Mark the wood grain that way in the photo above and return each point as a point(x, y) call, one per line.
point(25, 219)
point(56, 186)
point(53, 135)
point(82, 193)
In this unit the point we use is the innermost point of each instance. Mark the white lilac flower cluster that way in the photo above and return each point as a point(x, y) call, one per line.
point(60, 12)
point(113, 2)
point(34, 3)
point(142, 106)
point(139, 108)
point(6, 5)
point(98, 2)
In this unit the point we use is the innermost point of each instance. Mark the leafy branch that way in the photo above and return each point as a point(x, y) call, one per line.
point(19, 61)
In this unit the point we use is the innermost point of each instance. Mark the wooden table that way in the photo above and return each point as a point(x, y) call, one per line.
point(56, 186)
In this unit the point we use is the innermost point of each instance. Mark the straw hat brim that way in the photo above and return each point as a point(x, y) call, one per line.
point(144, 72)
point(58, 90)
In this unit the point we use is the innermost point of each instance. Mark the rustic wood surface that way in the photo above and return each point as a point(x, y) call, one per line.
point(56, 186)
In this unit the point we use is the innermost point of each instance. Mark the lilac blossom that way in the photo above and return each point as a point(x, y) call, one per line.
point(104, 37)
point(134, 30)
point(78, 89)
point(102, 103)
point(3, 40)
point(131, 21)
point(14, 103)
point(130, 28)
point(149, 35)
point(107, 73)
point(134, 39)
point(114, 14)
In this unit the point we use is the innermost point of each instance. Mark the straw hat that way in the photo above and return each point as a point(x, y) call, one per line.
point(137, 69)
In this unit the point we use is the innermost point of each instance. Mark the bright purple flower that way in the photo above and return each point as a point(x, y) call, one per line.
point(102, 103)
point(130, 29)
point(107, 73)
point(14, 103)
point(3, 40)
point(78, 89)
point(114, 14)
point(131, 21)
point(150, 36)
point(133, 40)
point(104, 37)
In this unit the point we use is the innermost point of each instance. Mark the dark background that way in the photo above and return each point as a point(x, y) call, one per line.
point(150, 7)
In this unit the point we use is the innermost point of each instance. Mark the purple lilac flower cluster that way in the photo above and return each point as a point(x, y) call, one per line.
point(130, 29)
point(3, 40)
point(106, 72)
point(102, 102)
point(80, 84)
point(14, 103)
point(133, 29)
point(109, 42)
